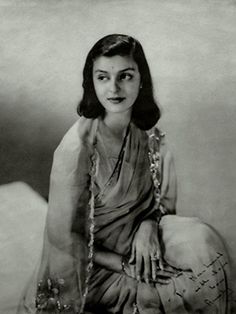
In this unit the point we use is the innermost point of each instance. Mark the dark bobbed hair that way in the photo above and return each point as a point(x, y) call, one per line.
point(145, 111)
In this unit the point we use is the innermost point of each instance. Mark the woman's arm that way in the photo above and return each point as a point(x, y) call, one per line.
point(169, 181)
point(107, 259)
point(66, 238)
point(114, 262)
point(146, 249)
point(69, 188)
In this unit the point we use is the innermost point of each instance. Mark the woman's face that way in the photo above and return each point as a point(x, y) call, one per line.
point(116, 82)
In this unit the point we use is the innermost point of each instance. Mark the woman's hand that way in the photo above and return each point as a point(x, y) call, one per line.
point(127, 268)
point(121, 264)
point(146, 253)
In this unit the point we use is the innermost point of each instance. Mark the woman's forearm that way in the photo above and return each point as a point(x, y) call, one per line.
point(108, 259)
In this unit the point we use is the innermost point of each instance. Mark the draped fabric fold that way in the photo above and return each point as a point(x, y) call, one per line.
point(65, 253)
point(123, 197)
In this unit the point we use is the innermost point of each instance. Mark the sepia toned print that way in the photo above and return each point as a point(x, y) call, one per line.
point(110, 234)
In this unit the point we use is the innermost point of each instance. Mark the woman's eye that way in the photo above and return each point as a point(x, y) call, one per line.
point(126, 76)
point(102, 78)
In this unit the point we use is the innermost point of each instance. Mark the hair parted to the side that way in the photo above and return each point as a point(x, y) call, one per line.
point(145, 111)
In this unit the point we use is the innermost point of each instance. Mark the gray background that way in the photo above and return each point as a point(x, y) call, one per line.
point(191, 49)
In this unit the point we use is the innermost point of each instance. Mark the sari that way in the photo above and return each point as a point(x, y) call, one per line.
point(99, 197)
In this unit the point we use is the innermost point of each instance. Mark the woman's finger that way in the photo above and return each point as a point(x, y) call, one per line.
point(172, 270)
point(154, 269)
point(147, 269)
point(138, 265)
point(155, 257)
point(132, 268)
point(162, 281)
point(161, 264)
point(163, 273)
point(132, 257)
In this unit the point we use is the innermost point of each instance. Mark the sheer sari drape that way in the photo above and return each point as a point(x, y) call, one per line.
point(65, 253)
point(123, 199)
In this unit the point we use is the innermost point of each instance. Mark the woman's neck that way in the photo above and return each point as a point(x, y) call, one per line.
point(117, 122)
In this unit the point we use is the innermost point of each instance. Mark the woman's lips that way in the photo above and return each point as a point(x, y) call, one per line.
point(116, 100)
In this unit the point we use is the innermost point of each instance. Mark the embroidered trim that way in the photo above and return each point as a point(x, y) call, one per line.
point(91, 229)
point(154, 158)
point(49, 298)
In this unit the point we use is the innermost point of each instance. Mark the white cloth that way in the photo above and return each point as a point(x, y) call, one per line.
point(22, 223)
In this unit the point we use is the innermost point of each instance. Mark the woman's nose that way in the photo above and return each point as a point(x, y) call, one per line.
point(114, 85)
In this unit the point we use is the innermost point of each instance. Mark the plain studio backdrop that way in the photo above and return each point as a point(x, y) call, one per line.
point(191, 50)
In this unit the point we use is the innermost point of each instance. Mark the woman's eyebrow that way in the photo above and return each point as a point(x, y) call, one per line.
point(126, 69)
point(101, 71)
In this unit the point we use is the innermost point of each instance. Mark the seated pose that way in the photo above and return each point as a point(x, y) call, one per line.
point(113, 242)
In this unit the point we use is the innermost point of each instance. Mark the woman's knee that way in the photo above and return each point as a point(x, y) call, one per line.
point(177, 230)
point(203, 235)
point(186, 240)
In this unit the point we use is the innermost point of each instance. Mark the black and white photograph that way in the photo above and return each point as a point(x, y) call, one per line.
point(117, 154)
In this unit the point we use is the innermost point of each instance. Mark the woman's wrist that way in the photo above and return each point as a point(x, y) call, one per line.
point(112, 261)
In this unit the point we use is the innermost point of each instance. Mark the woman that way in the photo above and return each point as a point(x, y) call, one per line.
point(112, 241)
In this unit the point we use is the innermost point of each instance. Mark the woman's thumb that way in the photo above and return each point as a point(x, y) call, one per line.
point(161, 266)
point(132, 257)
